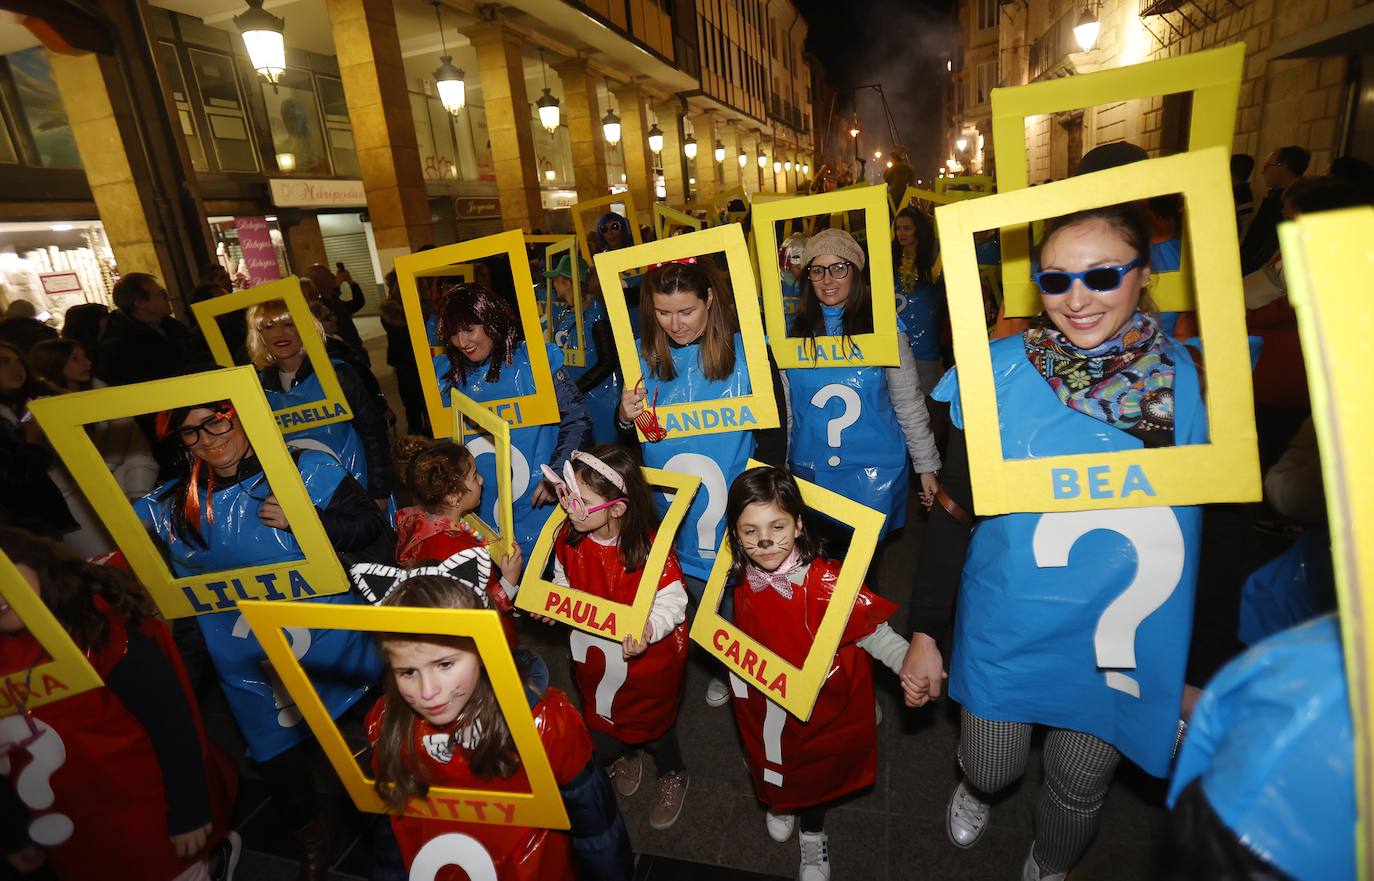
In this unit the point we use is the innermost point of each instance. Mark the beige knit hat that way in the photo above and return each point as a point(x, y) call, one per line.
point(833, 241)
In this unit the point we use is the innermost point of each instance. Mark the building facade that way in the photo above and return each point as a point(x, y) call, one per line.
point(138, 136)
point(1308, 79)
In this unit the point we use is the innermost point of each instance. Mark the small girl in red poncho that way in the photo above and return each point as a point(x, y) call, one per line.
point(445, 487)
point(439, 725)
point(601, 550)
point(782, 590)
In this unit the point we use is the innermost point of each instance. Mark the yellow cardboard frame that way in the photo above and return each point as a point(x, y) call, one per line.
point(542, 807)
point(574, 355)
point(1224, 470)
point(728, 238)
point(1213, 77)
point(721, 202)
point(289, 419)
point(666, 218)
point(875, 349)
point(499, 538)
point(1326, 260)
point(64, 417)
point(581, 209)
point(540, 408)
point(66, 673)
point(945, 185)
point(792, 688)
point(604, 618)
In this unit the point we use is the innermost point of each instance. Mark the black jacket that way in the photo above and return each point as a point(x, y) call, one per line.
point(368, 421)
point(132, 351)
point(343, 310)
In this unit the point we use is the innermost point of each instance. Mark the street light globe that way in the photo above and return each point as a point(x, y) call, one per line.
point(961, 145)
point(777, 167)
point(743, 159)
point(1087, 29)
point(262, 37)
point(877, 154)
point(689, 147)
point(889, 163)
point(548, 110)
point(550, 174)
point(806, 168)
point(787, 166)
point(610, 128)
point(763, 159)
point(719, 152)
point(448, 79)
point(854, 130)
point(656, 139)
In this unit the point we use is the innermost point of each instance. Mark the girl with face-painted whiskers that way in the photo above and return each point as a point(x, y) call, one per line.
point(782, 589)
point(1095, 374)
point(439, 724)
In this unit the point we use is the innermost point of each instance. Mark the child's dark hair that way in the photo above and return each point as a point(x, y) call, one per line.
point(641, 518)
point(765, 484)
point(466, 305)
point(925, 242)
point(69, 586)
point(809, 321)
point(433, 469)
point(400, 776)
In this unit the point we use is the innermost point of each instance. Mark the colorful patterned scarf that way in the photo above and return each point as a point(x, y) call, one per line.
point(1127, 382)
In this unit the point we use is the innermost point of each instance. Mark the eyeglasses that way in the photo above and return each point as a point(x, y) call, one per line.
point(218, 425)
point(836, 271)
point(1099, 279)
point(576, 506)
point(613, 226)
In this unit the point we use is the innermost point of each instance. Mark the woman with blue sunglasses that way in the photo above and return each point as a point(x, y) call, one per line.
point(1094, 374)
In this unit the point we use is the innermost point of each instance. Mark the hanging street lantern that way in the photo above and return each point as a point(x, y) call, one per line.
point(262, 37)
point(448, 78)
point(1087, 29)
point(547, 103)
point(719, 152)
point(610, 127)
point(656, 138)
point(689, 147)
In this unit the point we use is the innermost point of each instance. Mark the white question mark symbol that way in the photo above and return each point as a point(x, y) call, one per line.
point(615, 671)
point(33, 785)
point(1159, 551)
point(774, 717)
point(519, 468)
point(298, 638)
point(852, 409)
point(713, 481)
point(901, 301)
point(453, 849)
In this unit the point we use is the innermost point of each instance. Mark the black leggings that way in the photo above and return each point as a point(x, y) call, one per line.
point(812, 819)
point(666, 751)
point(291, 785)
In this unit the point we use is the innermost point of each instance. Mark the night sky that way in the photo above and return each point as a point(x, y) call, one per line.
point(901, 44)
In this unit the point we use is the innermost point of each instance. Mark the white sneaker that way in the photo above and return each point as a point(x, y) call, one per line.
point(717, 693)
point(1031, 870)
point(967, 817)
point(780, 826)
point(815, 857)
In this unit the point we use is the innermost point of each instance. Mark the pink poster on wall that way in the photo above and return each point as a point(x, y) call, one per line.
point(259, 255)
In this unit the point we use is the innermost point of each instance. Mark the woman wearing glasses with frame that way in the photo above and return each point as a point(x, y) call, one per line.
point(883, 409)
point(1094, 374)
point(218, 514)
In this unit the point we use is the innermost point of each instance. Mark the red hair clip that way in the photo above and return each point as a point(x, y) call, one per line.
point(647, 420)
point(686, 261)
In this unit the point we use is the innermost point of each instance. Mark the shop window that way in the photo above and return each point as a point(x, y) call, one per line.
point(40, 107)
point(987, 14)
point(336, 126)
point(224, 112)
point(170, 67)
point(293, 117)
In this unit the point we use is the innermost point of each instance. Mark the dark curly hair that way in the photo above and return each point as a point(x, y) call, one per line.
point(433, 469)
point(466, 305)
point(69, 586)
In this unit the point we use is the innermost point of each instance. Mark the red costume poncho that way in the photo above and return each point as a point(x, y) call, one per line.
point(422, 537)
point(107, 813)
point(515, 853)
point(835, 752)
point(634, 700)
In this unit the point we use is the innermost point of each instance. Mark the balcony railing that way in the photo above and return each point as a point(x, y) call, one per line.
point(1054, 46)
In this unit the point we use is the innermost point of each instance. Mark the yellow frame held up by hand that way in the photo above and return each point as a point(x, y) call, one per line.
point(581, 209)
point(542, 807)
point(668, 218)
point(1213, 77)
point(540, 408)
point(1224, 470)
point(334, 406)
point(1326, 260)
point(64, 674)
point(574, 354)
point(500, 537)
point(792, 688)
point(876, 349)
point(760, 406)
point(598, 615)
point(64, 417)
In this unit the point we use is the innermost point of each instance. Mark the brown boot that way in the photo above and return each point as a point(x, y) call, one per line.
point(313, 841)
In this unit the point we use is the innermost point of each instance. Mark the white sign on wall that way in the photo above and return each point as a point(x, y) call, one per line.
point(292, 193)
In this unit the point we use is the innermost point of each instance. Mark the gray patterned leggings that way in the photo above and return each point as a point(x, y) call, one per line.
point(1078, 770)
